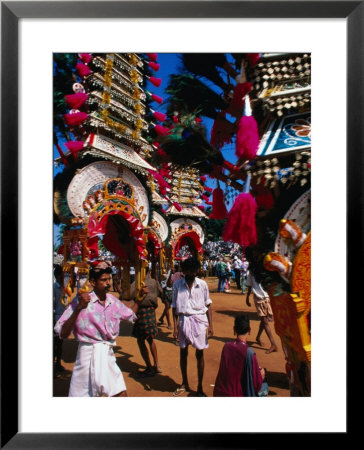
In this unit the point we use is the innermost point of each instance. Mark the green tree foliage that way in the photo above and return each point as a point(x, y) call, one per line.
point(189, 95)
point(212, 228)
point(63, 78)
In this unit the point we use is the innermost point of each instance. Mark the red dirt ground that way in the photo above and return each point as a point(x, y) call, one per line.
point(224, 308)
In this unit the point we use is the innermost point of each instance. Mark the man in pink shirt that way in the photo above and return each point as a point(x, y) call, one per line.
point(94, 318)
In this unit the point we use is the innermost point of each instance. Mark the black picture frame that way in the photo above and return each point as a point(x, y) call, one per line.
point(11, 13)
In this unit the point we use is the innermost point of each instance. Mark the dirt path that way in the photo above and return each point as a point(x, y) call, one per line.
point(225, 307)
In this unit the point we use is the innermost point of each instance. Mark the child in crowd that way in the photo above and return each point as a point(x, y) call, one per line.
point(239, 372)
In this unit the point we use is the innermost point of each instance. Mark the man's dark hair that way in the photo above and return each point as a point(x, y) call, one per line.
point(241, 324)
point(190, 264)
point(95, 274)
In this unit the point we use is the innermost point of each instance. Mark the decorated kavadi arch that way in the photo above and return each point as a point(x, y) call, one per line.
point(186, 233)
point(114, 205)
point(109, 203)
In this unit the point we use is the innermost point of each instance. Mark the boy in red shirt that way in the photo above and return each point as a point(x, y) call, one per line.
point(239, 372)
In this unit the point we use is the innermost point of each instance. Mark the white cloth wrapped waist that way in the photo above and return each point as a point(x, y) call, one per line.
point(193, 324)
point(192, 330)
point(99, 363)
point(96, 373)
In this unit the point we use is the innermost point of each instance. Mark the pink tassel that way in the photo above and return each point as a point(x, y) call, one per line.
point(165, 173)
point(161, 153)
point(201, 207)
point(152, 56)
point(204, 197)
point(83, 70)
point(75, 119)
point(85, 57)
point(62, 155)
point(154, 66)
point(208, 189)
point(74, 101)
point(203, 178)
point(219, 210)
point(253, 58)
point(159, 116)
point(175, 119)
point(162, 131)
point(237, 102)
point(216, 172)
point(198, 120)
point(160, 180)
point(74, 147)
point(263, 196)
point(157, 99)
point(155, 81)
point(222, 131)
point(247, 138)
point(177, 206)
point(240, 225)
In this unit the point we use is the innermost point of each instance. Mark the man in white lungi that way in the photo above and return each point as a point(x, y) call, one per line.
point(94, 318)
point(192, 319)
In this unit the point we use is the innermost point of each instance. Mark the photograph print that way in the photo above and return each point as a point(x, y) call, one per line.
point(182, 225)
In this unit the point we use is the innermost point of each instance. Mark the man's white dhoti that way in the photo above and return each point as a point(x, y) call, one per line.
point(96, 373)
point(192, 330)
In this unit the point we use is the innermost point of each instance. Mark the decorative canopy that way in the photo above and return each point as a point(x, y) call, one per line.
point(159, 225)
point(187, 225)
point(95, 177)
point(117, 152)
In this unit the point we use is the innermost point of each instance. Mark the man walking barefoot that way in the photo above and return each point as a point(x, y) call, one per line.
point(192, 317)
point(263, 307)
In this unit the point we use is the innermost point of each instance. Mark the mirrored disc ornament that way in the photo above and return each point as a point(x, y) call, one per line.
point(78, 87)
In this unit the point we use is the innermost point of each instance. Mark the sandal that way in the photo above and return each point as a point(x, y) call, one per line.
point(181, 390)
point(145, 373)
point(157, 370)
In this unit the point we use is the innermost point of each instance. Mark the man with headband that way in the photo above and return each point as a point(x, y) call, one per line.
point(192, 320)
point(94, 318)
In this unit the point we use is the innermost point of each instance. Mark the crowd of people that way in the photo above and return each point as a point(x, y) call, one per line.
point(94, 319)
point(227, 269)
